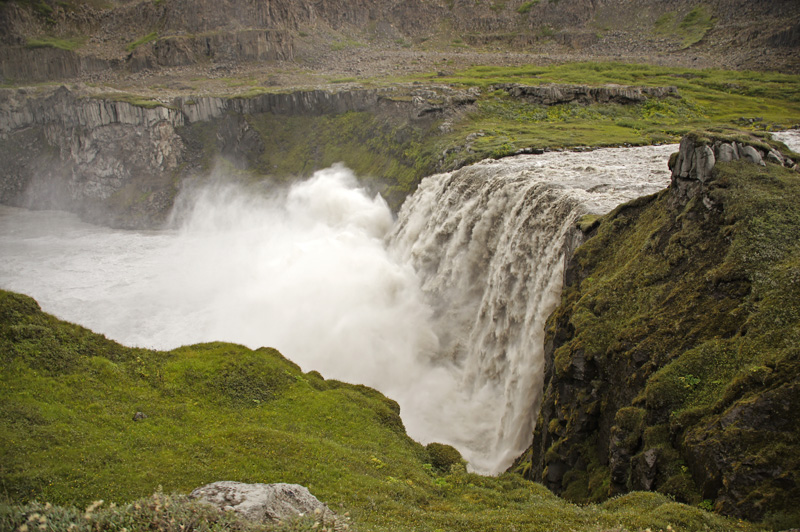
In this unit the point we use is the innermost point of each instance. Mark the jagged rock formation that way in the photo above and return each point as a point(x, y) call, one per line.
point(265, 503)
point(672, 363)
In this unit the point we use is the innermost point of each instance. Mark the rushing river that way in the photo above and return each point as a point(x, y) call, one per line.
point(441, 309)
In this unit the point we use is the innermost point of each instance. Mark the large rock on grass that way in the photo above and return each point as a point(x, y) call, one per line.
point(264, 503)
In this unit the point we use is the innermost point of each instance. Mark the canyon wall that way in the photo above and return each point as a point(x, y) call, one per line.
point(120, 160)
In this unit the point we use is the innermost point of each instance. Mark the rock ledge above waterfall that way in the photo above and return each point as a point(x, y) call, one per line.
point(693, 164)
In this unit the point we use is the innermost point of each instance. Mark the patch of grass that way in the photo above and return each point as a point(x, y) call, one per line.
point(690, 29)
point(498, 5)
point(69, 44)
point(527, 6)
point(345, 44)
point(133, 99)
point(709, 98)
point(665, 23)
point(695, 25)
point(150, 37)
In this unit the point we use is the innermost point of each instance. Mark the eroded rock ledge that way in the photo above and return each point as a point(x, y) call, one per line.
point(693, 164)
point(554, 93)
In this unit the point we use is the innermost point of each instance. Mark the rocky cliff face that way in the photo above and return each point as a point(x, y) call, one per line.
point(120, 161)
point(672, 362)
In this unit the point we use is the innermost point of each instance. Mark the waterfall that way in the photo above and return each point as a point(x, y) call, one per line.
point(442, 309)
point(489, 244)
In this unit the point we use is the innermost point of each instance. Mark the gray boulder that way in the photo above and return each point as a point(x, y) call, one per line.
point(726, 152)
point(775, 156)
point(751, 154)
point(704, 157)
point(264, 502)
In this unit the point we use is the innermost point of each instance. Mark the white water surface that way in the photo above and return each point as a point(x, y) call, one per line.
point(790, 137)
point(324, 274)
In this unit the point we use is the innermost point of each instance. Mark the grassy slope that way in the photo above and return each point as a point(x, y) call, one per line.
point(220, 411)
point(709, 98)
point(697, 313)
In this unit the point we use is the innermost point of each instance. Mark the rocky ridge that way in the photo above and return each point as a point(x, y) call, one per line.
point(138, 37)
point(70, 150)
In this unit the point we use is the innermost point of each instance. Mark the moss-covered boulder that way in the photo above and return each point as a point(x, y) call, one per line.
point(673, 362)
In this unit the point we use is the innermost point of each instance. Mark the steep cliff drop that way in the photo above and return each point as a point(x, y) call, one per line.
point(489, 242)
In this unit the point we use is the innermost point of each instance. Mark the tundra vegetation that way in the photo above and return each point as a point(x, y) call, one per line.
point(683, 316)
point(220, 411)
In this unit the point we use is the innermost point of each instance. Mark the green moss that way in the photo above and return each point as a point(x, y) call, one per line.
point(392, 156)
point(587, 222)
point(695, 25)
point(144, 39)
point(220, 411)
point(70, 44)
point(525, 7)
point(443, 457)
point(133, 99)
point(691, 28)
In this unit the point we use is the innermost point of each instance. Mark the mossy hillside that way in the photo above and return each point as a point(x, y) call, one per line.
point(689, 29)
point(223, 412)
point(691, 316)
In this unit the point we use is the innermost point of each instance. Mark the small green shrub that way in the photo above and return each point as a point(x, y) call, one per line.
point(150, 37)
point(443, 457)
point(527, 6)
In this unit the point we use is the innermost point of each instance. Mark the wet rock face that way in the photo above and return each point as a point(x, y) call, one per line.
point(120, 163)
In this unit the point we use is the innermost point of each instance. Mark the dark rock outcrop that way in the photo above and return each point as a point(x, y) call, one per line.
point(554, 94)
point(119, 160)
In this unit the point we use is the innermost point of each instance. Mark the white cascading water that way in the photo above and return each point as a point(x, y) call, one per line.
point(442, 309)
point(489, 244)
